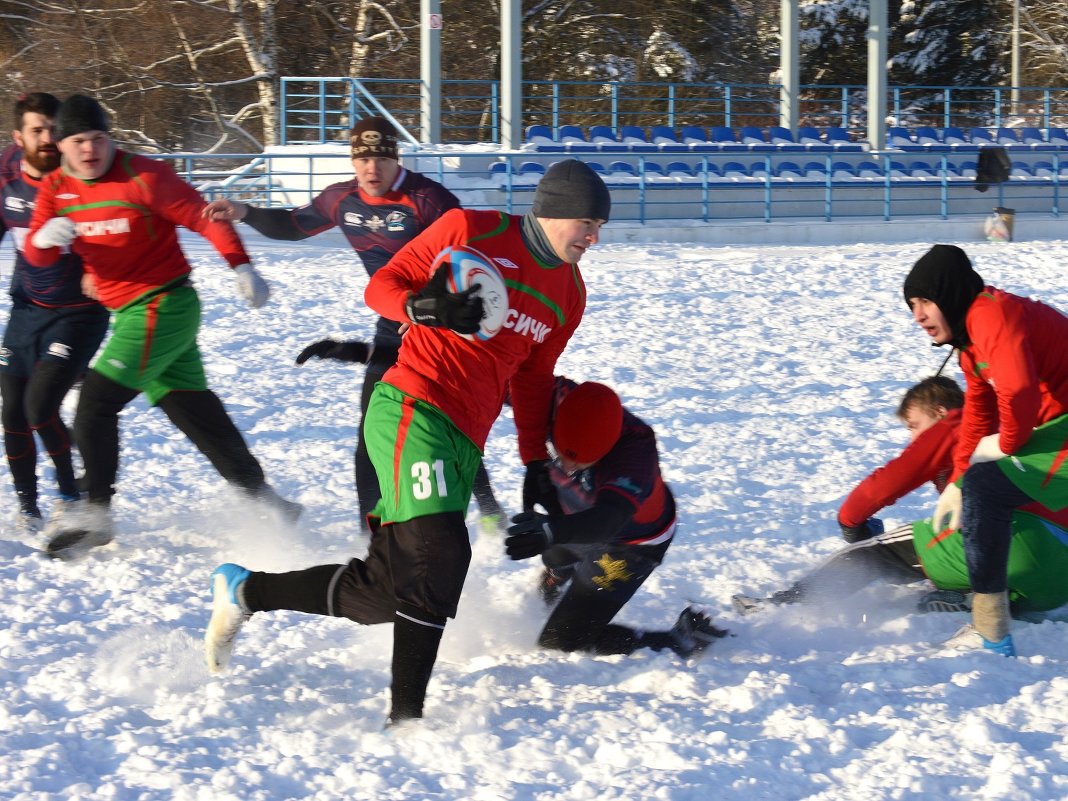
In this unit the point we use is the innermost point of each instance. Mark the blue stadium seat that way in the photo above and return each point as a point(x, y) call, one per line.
point(789, 170)
point(734, 170)
point(722, 135)
point(652, 169)
point(633, 138)
point(574, 139)
point(816, 171)
point(622, 169)
point(843, 171)
point(899, 138)
point(666, 140)
point(869, 169)
point(1042, 169)
point(540, 134)
point(753, 138)
point(597, 167)
point(760, 169)
point(922, 170)
point(1057, 137)
point(927, 136)
point(839, 139)
point(680, 169)
point(1007, 137)
point(980, 136)
point(1033, 139)
point(954, 137)
point(531, 170)
point(605, 139)
point(499, 169)
point(809, 138)
point(967, 169)
point(694, 135)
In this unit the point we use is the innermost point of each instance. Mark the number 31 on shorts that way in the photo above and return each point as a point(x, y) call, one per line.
point(428, 478)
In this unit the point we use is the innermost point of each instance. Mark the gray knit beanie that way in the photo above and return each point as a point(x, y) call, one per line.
point(572, 190)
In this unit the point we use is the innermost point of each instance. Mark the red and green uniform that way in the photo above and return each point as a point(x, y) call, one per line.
point(1038, 555)
point(126, 223)
point(1017, 386)
point(466, 380)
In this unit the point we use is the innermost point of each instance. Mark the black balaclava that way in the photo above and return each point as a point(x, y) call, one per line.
point(944, 274)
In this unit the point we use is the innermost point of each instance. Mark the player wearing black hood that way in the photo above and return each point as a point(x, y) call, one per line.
point(1014, 430)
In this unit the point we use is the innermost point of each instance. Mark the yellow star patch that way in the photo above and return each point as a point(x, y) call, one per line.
point(613, 569)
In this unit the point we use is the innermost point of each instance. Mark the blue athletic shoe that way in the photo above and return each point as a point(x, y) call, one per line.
point(228, 614)
point(1004, 646)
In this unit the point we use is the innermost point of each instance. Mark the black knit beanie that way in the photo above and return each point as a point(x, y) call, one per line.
point(572, 190)
point(944, 275)
point(78, 114)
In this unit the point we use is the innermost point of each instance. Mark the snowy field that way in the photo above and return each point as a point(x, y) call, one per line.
point(771, 376)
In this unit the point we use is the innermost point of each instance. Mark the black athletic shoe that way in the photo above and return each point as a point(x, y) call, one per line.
point(748, 605)
point(945, 601)
point(551, 584)
point(693, 632)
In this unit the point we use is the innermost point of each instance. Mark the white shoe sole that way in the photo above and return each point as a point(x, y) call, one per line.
point(226, 621)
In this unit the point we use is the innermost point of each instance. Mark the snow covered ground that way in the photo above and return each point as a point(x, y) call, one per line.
point(771, 376)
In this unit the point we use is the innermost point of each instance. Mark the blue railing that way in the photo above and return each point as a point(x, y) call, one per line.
point(709, 187)
point(322, 109)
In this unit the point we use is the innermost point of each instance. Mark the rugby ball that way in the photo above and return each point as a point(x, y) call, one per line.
point(469, 268)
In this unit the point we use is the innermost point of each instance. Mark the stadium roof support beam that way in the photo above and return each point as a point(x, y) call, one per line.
point(511, 74)
point(790, 65)
point(878, 22)
point(430, 71)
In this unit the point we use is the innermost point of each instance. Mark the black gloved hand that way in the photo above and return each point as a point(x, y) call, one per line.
point(353, 351)
point(435, 306)
point(865, 531)
point(529, 535)
point(538, 488)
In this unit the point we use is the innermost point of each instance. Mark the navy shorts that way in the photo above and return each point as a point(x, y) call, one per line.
point(38, 334)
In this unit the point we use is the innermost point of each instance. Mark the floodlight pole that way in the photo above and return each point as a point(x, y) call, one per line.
point(878, 22)
point(789, 66)
point(1015, 93)
point(511, 74)
point(430, 71)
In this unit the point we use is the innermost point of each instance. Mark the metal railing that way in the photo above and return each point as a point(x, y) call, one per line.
point(644, 189)
point(322, 109)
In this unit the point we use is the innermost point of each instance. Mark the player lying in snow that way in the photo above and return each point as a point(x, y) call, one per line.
point(1038, 559)
point(610, 520)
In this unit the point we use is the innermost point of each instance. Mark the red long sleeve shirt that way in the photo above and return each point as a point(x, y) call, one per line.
point(1015, 371)
point(126, 223)
point(467, 379)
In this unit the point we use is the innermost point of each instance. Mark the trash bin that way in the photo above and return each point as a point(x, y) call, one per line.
point(998, 226)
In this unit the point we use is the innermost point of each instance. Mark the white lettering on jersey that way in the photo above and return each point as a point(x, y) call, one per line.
point(527, 326)
point(103, 227)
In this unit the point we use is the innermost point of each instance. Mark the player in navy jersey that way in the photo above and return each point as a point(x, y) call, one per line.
point(54, 327)
point(379, 211)
point(616, 521)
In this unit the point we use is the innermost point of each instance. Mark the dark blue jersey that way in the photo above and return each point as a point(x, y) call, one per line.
point(375, 227)
point(55, 286)
point(628, 475)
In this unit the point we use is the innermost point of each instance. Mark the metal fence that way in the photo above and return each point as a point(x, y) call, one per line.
point(849, 186)
point(322, 109)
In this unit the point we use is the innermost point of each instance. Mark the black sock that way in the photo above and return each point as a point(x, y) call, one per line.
point(416, 635)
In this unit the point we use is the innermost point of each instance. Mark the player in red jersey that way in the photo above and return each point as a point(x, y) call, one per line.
point(1013, 438)
point(120, 213)
point(379, 211)
point(429, 418)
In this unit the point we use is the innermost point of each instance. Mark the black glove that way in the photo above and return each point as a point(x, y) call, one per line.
point(529, 535)
point(436, 306)
point(538, 488)
point(354, 351)
point(865, 531)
